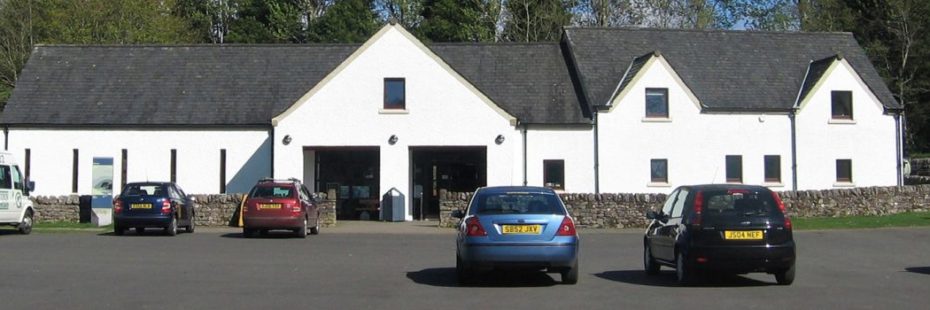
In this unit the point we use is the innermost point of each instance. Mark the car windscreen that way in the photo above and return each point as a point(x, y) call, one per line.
point(132, 190)
point(516, 203)
point(738, 203)
point(272, 192)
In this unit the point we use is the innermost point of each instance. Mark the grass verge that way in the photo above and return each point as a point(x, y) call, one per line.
point(908, 219)
point(68, 226)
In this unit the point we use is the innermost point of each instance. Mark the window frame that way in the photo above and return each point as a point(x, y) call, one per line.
point(652, 176)
point(848, 165)
point(765, 168)
point(403, 105)
point(664, 92)
point(739, 179)
point(546, 173)
point(849, 105)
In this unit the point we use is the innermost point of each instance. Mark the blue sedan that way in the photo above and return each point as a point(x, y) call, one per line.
point(516, 227)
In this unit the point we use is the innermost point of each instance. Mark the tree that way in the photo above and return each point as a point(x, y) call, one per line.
point(537, 20)
point(407, 13)
point(210, 19)
point(607, 13)
point(460, 21)
point(345, 21)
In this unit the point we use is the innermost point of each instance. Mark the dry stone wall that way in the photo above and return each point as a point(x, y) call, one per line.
point(629, 210)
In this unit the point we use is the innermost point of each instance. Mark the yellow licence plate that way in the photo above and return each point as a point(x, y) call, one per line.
point(522, 229)
point(742, 235)
point(140, 206)
point(269, 206)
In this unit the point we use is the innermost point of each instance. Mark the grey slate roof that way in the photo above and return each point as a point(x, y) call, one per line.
point(631, 72)
point(530, 81)
point(816, 70)
point(731, 70)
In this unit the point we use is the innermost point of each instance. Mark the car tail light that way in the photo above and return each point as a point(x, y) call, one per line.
point(165, 206)
point(781, 207)
point(117, 206)
point(473, 227)
point(567, 228)
point(698, 209)
point(295, 207)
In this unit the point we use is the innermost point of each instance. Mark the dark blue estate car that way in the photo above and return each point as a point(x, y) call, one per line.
point(516, 227)
point(153, 204)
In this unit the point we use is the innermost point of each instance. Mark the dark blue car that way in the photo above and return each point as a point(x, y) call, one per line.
point(516, 227)
point(153, 204)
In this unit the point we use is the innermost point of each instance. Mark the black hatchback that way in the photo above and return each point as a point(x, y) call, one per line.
point(736, 229)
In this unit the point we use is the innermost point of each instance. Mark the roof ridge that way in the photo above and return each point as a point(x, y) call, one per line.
point(654, 29)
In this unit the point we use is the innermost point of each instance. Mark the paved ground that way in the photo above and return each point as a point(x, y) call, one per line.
point(355, 266)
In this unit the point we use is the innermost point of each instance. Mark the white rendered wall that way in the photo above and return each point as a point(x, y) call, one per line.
point(869, 142)
point(248, 157)
point(440, 111)
point(574, 145)
point(694, 144)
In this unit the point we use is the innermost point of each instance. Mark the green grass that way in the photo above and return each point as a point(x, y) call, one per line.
point(920, 155)
point(67, 226)
point(852, 222)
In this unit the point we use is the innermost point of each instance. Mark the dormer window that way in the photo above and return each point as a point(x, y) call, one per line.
point(656, 102)
point(394, 94)
point(841, 105)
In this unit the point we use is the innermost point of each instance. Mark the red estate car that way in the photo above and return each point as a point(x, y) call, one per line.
point(280, 204)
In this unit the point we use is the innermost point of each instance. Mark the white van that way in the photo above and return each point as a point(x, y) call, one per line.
point(15, 206)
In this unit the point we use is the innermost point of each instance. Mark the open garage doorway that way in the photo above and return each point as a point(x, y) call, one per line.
point(353, 174)
point(437, 169)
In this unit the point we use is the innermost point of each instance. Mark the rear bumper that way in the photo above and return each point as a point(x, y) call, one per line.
point(276, 222)
point(516, 255)
point(741, 259)
point(155, 220)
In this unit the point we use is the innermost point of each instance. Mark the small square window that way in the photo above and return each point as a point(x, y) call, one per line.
point(394, 94)
point(844, 171)
point(734, 169)
point(657, 102)
point(842, 105)
point(773, 168)
point(554, 174)
point(658, 170)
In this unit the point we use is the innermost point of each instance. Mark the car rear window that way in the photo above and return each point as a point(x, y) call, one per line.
point(132, 190)
point(517, 203)
point(272, 192)
point(738, 203)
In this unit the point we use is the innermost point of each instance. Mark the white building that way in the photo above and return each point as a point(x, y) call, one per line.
point(605, 110)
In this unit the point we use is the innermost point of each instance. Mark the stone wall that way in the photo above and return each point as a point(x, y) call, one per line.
point(211, 210)
point(629, 210)
point(920, 167)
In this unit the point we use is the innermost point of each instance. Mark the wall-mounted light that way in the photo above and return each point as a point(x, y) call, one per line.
point(499, 140)
point(392, 139)
point(287, 139)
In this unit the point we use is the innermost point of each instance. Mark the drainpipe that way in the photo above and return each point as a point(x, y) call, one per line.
point(271, 136)
point(898, 149)
point(524, 153)
point(6, 138)
point(794, 149)
point(597, 163)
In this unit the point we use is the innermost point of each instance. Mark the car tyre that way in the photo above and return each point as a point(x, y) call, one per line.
point(302, 231)
point(462, 273)
point(172, 229)
point(785, 277)
point(118, 230)
point(190, 227)
point(649, 263)
point(683, 271)
point(25, 227)
point(570, 275)
point(315, 230)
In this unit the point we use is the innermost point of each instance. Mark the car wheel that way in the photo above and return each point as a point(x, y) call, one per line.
point(247, 233)
point(25, 227)
point(570, 275)
point(172, 229)
point(649, 263)
point(140, 230)
point(302, 231)
point(683, 270)
point(190, 227)
point(118, 230)
point(785, 277)
point(462, 273)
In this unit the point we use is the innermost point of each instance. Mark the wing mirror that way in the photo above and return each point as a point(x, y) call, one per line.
point(30, 186)
point(652, 215)
point(459, 214)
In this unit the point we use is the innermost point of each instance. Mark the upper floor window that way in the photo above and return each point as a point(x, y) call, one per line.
point(844, 170)
point(734, 169)
point(658, 170)
point(657, 102)
point(772, 168)
point(554, 173)
point(394, 94)
point(841, 105)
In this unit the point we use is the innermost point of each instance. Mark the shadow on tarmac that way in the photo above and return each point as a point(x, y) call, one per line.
point(667, 279)
point(445, 277)
point(922, 270)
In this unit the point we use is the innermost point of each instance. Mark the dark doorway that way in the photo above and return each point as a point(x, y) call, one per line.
point(437, 169)
point(353, 173)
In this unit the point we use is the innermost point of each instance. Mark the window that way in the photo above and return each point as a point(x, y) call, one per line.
point(842, 105)
point(772, 168)
point(174, 166)
point(394, 94)
point(658, 170)
point(554, 173)
point(844, 170)
point(124, 165)
point(74, 171)
point(6, 179)
point(734, 169)
point(669, 203)
point(17, 179)
point(28, 162)
point(222, 171)
point(657, 102)
point(680, 203)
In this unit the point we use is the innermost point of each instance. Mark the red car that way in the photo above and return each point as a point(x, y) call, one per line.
point(280, 204)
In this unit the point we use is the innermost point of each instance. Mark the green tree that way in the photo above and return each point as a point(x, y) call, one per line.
point(407, 13)
point(460, 21)
point(345, 21)
point(267, 21)
point(537, 20)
